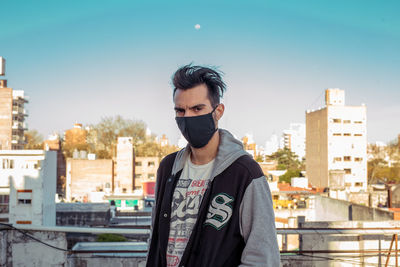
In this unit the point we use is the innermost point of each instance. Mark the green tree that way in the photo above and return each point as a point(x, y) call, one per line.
point(33, 140)
point(289, 174)
point(286, 159)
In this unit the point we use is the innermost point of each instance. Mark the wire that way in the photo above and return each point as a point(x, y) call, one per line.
point(32, 237)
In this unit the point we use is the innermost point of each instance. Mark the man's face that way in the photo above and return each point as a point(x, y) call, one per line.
point(192, 102)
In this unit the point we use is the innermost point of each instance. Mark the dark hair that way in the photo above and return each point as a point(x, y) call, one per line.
point(190, 76)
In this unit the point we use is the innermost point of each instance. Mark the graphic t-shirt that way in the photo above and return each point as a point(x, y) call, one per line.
point(185, 205)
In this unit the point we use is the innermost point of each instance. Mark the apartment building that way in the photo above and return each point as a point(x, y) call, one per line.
point(12, 114)
point(336, 141)
point(295, 139)
point(145, 170)
point(28, 184)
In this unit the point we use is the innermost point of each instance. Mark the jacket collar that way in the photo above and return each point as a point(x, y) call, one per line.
point(229, 150)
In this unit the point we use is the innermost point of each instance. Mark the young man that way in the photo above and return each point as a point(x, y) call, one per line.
point(213, 204)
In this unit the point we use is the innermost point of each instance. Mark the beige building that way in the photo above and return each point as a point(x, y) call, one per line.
point(336, 141)
point(12, 114)
point(145, 170)
point(12, 117)
point(124, 182)
point(100, 179)
point(85, 176)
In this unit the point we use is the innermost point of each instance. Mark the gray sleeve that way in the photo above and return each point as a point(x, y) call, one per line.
point(257, 226)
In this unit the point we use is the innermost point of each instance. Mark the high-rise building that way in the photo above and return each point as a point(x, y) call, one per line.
point(272, 145)
point(295, 139)
point(125, 165)
point(336, 141)
point(12, 114)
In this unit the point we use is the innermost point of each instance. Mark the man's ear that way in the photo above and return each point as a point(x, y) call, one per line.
point(219, 111)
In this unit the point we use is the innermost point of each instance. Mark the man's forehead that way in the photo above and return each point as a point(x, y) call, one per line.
point(191, 97)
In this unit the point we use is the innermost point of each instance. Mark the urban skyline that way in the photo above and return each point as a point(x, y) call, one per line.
point(94, 59)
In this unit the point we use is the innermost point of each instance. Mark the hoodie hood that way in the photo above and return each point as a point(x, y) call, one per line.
point(229, 150)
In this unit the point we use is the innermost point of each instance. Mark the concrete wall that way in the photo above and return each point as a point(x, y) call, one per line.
point(82, 260)
point(83, 214)
point(84, 176)
point(17, 249)
point(49, 184)
point(317, 147)
point(328, 209)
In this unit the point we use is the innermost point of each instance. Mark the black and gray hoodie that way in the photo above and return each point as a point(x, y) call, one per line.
point(235, 224)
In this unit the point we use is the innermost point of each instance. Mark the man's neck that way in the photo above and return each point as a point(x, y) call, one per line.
point(204, 155)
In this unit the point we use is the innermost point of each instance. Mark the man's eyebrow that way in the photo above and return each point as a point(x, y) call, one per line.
point(178, 109)
point(198, 106)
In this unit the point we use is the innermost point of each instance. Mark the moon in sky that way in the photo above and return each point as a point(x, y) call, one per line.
point(197, 26)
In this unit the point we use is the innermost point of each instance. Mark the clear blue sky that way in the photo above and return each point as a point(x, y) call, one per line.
point(81, 60)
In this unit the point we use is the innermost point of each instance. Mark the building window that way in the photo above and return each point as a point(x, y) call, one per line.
point(347, 158)
point(358, 159)
point(8, 164)
point(346, 121)
point(337, 159)
point(347, 171)
point(358, 122)
point(357, 134)
point(346, 134)
point(151, 164)
point(138, 163)
point(37, 165)
point(358, 184)
point(337, 134)
point(347, 184)
point(151, 176)
point(337, 120)
point(4, 202)
point(24, 196)
point(138, 175)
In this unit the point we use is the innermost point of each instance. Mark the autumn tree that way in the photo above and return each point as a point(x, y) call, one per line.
point(33, 140)
point(384, 163)
point(103, 136)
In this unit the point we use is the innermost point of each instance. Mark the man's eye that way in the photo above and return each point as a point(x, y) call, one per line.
point(198, 108)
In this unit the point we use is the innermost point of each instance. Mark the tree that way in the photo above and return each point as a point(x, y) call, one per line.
point(33, 139)
point(289, 174)
point(259, 158)
point(153, 149)
point(286, 159)
point(384, 163)
point(103, 136)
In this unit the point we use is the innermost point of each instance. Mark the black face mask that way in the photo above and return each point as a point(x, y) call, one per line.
point(197, 130)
